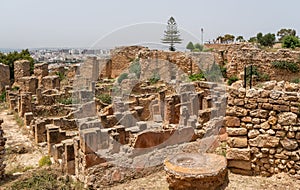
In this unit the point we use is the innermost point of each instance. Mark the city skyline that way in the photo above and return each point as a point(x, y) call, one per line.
point(80, 24)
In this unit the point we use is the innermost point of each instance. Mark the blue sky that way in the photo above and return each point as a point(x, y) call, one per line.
point(80, 23)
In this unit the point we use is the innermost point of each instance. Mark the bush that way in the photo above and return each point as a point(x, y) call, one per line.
point(232, 79)
point(105, 98)
point(155, 78)
point(296, 80)
point(290, 66)
point(197, 77)
point(135, 67)
point(61, 76)
point(66, 101)
point(290, 42)
point(3, 97)
point(45, 160)
point(122, 77)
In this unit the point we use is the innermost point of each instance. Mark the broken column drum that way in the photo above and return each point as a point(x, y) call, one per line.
point(196, 171)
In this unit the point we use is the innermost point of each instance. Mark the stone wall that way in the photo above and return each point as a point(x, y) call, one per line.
point(263, 126)
point(2, 151)
point(235, 56)
point(4, 76)
point(122, 57)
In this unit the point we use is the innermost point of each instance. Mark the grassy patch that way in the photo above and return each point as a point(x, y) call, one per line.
point(3, 96)
point(19, 120)
point(232, 79)
point(45, 161)
point(284, 65)
point(19, 169)
point(197, 77)
point(105, 98)
point(46, 179)
point(296, 80)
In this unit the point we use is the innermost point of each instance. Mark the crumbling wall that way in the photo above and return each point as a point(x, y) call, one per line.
point(263, 126)
point(4, 76)
point(235, 56)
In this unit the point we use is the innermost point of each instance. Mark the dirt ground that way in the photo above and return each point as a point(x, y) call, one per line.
point(22, 155)
point(157, 181)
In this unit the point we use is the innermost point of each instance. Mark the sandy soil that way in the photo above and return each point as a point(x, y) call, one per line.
point(157, 181)
point(21, 152)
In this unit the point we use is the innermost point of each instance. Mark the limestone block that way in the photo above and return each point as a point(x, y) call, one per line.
point(232, 121)
point(237, 142)
point(238, 154)
point(287, 118)
point(236, 131)
point(289, 144)
point(240, 164)
point(264, 141)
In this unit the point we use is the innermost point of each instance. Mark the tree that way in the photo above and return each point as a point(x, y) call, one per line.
point(228, 38)
point(10, 58)
point(252, 40)
point(190, 46)
point(240, 39)
point(266, 40)
point(290, 42)
point(172, 34)
point(285, 32)
point(198, 46)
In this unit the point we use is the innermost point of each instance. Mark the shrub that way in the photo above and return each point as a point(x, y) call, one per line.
point(155, 78)
point(296, 80)
point(61, 76)
point(290, 66)
point(122, 77)
point(45, 160)
point(196, 77)
point(66, 101)
point(135, 67)
point(105, 98)
point(232, 80)
point(290, 42)
point(3, 96)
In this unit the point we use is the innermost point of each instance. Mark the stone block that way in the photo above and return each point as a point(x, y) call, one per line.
point(232, 121)
point(237, 142)
point(240, 164)
point(264, 141)
point(236, 131)
point(238, 154)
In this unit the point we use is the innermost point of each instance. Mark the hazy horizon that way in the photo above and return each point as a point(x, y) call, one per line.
point(80, 24)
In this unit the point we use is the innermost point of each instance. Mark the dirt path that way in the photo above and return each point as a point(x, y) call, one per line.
point(22, 154)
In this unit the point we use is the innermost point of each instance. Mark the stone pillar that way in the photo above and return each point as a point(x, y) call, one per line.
point(69, 157)
point(53, 137)
point(28, 118)
point(21, 69)
point(25, 104)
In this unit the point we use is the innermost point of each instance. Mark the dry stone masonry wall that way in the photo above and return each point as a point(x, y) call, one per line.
point(263, 126)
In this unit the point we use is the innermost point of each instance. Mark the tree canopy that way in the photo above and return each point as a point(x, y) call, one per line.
point(285, 32)
point(190, 46)
point(172, 34)
point(10, 58)
point(290, 42)
point(266, 40)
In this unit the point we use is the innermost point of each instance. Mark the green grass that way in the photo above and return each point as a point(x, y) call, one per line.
point(45, 161)
point(232, 79)
point(284, 65)
point(46, 179)
point(197, 77)
point(105, 98)
point(19, 120)
point(296, 80)
point(3, 96)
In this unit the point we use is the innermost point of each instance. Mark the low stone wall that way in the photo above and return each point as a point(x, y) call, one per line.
point(263, 126)
point(2, 151)
point(235, 56)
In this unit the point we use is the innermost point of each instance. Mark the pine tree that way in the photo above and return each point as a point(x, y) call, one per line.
point(171, 35)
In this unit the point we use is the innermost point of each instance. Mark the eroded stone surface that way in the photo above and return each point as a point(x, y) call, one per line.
point(196, 171)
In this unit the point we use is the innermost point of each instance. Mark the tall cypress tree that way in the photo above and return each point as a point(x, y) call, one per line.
point(172, 34)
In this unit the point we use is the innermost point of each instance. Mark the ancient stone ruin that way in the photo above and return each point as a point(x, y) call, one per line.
point(106, 122)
